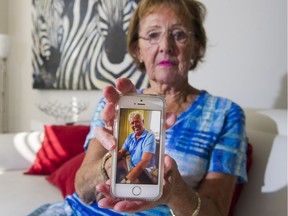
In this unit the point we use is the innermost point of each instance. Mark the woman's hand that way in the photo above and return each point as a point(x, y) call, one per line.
point(131, 206)
point(112, 95)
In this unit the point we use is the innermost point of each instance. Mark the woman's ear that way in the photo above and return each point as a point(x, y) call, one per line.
point(195, 50)
point(194, 56)
point(139, 55)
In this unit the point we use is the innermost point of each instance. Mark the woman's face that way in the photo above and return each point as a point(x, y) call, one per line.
point(164, 46)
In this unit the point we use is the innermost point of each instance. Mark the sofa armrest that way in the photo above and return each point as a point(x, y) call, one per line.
point(270, 120)
point(18, 150)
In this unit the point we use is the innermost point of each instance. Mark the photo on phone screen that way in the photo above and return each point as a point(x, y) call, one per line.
point(138, 146)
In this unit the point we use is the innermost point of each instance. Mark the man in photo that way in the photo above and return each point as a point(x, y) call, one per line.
point(141, 146)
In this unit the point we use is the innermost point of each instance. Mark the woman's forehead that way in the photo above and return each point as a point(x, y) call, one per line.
point(156, 5)
point(161, 8)
point(162, 15)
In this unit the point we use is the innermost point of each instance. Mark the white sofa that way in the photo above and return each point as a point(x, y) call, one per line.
point(20, 193)
point(266, 191)
point(265, 194)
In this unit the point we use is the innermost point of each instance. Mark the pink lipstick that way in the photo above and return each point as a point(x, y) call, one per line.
point(165, 63)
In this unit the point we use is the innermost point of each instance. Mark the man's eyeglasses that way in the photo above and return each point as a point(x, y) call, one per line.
point(179, 36)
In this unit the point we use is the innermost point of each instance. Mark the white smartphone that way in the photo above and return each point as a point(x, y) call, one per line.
point(137, 162)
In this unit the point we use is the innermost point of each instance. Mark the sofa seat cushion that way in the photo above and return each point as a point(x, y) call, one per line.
point(21, 194)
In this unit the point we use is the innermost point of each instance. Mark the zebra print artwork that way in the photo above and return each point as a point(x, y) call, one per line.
point(81, 44)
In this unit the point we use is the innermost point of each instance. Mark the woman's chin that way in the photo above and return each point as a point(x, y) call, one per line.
point(168, 79)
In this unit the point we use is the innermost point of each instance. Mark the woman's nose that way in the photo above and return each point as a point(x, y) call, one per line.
point(166, 43)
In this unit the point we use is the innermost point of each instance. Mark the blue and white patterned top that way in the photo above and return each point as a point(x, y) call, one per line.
point(208, 137)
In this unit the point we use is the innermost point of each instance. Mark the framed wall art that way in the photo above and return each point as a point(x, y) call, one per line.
point(81, 44)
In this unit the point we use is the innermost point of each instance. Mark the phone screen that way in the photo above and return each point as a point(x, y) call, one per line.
point(138, 146)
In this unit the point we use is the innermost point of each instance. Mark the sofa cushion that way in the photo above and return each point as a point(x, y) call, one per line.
point(64, 176)
point(60, 144)
point(18, 150)
point(21, 194)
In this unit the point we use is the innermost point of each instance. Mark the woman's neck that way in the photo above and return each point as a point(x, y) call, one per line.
point(178, 98)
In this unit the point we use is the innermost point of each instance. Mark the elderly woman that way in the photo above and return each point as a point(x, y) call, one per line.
point(206, 147)
point(205, 137)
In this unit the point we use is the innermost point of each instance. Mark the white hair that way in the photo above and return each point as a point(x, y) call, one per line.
point(133, 114)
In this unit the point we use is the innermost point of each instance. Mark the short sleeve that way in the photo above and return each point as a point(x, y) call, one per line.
point(229, 154)
point(96, 121)
point(150, 144)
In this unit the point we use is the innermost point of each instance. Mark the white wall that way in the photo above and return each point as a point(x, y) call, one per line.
point(246, 60)
point(3, 16)
point(247, 53)
point(3, 30)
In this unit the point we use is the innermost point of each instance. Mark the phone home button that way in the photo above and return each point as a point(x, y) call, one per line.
point(136, 191)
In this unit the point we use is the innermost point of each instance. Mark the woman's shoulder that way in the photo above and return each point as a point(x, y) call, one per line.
point(213, 102)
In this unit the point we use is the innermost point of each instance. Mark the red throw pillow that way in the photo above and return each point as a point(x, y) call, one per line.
point(60, 144)
point(63, 177)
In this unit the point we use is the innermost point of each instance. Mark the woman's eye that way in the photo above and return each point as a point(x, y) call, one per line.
point(154, 35)
point(180, 35)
